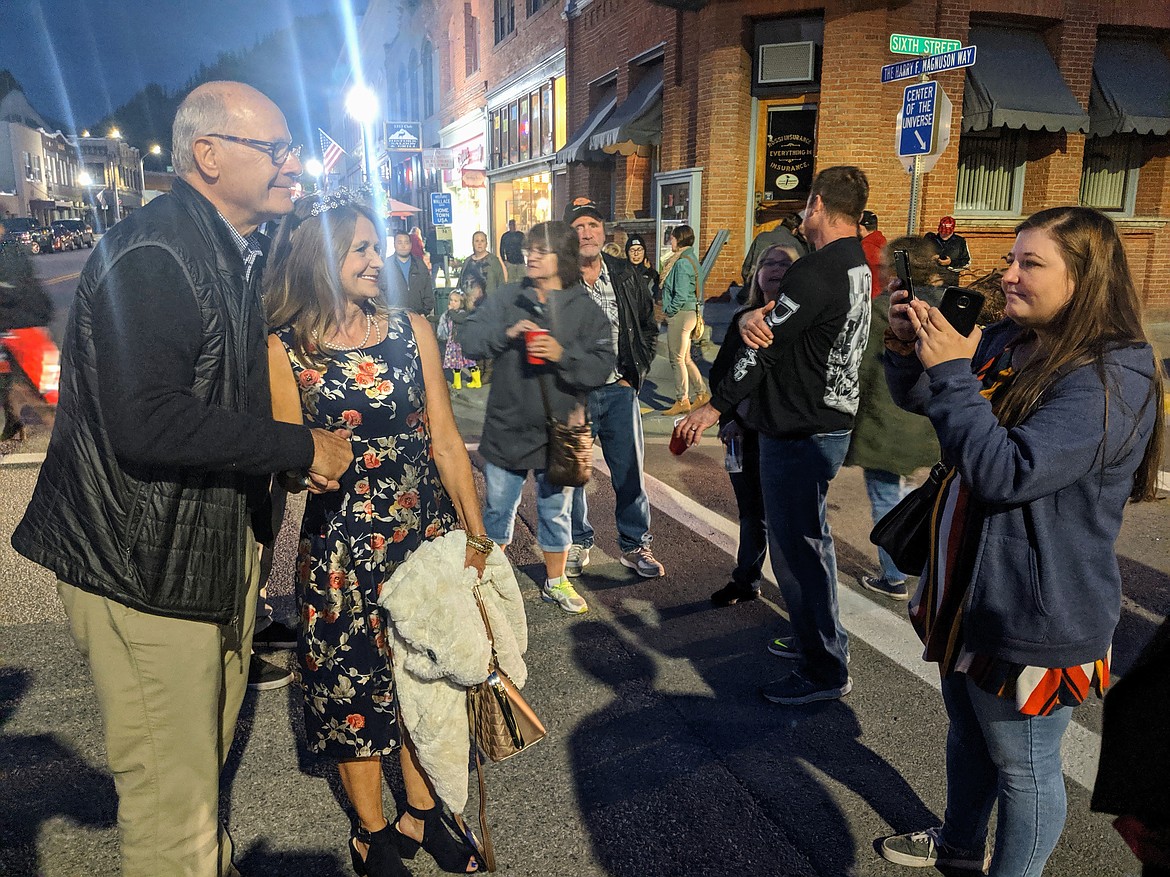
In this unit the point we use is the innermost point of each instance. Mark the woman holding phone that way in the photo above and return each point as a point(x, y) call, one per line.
point(1051, 421)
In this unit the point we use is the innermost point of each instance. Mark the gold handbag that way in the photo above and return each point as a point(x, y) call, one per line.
point(501, 723)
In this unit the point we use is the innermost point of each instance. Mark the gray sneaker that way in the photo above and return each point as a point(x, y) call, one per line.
point(921, 849)
point(577, 561)
point(565, 596)
point(642, 561)
point(266, 676)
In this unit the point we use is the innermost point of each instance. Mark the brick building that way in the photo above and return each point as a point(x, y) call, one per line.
point(483, 83)
point(756, 95)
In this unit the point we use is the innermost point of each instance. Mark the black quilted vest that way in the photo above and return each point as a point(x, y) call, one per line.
point(168, 542)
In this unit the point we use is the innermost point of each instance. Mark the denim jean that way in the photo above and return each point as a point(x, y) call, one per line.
point(749, 500)
point(996, 753)
point(503, 498)
point(794, 477)
point(617, 424)
point(886, 490)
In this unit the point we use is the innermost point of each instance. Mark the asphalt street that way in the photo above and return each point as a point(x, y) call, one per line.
point(661, 759)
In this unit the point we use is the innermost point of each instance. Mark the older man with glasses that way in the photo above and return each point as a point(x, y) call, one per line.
point(154, 491)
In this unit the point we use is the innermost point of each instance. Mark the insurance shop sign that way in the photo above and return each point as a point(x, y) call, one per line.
point(791, 150)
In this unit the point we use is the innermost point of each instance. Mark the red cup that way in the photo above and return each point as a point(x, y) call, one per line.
point(678, 444)
point(529, 336)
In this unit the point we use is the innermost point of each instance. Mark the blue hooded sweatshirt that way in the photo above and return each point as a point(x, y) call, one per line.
point(1050, 493)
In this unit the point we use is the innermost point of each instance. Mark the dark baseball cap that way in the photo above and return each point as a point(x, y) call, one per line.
point(579, 207)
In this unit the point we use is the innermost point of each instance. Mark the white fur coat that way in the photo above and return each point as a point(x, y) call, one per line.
point(441, 648)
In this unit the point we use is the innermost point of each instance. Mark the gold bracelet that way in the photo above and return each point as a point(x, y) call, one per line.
point(480, 543)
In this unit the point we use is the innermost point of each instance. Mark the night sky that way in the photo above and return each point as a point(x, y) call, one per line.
point(78, 60)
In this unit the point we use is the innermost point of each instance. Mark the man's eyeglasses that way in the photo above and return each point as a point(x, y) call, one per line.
point(278, 150)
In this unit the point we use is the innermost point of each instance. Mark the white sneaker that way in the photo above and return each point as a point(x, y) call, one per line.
point(577, 560)
point(565, 596)
point(642, 561)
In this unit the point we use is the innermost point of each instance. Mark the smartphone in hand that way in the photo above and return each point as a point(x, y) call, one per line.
point(961, 307)
point(902, 268)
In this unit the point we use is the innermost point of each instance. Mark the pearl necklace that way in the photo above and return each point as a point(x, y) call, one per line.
point(370, 323)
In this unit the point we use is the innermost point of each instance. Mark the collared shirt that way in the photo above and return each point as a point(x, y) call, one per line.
point(404, 267)
point(602, 292)
point(249, 247)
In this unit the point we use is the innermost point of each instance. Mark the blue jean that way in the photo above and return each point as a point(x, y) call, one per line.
point(886, 490)
point(749, 500)
point(794, 478)
point(617, 424)
point(503, 498)
point(996, 753)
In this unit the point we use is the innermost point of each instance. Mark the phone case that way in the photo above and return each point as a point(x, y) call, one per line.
point(961, 307)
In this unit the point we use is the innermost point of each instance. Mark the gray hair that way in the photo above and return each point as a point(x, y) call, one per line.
point(202, 112)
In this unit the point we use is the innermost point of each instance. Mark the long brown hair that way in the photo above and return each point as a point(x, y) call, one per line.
point(302, 283)
point(1103, 314)
point(755, 297)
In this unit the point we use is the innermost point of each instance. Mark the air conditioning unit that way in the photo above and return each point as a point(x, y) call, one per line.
point(785, 63)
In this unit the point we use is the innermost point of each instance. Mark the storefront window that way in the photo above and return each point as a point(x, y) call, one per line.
point(991, 172)
point(534, 100)
point(546, 120)
point(525, 129)
point(528, 200)
point(1109, 176)
point(514, 134)
point(495, 146)
point(560, 108)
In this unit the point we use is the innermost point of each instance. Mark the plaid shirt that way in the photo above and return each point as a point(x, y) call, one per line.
point(249, 247)
point(603, 293)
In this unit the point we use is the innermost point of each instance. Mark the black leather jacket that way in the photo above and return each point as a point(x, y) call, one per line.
point(637, 331)
point(159, 523)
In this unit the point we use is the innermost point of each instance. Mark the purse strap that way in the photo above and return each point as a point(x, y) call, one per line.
point(488, 851)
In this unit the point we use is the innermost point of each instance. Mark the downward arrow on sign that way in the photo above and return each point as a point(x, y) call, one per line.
point(921, 142)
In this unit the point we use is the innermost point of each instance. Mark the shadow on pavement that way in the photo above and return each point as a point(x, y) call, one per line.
point(645, 767)
point(41, 780)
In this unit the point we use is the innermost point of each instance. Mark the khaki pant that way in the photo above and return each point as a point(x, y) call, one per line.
point(678, 346)
point(169, 692)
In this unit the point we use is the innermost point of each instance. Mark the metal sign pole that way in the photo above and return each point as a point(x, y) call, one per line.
point(915, 185)
point(915, 196)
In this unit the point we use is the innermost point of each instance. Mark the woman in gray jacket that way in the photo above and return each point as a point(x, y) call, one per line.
point(544, 330)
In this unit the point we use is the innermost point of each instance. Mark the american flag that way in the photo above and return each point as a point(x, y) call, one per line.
point(331, 152)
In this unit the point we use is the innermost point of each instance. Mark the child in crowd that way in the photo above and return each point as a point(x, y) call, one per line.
point(448, 333)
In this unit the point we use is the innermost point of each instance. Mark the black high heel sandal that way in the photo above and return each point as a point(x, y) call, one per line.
point(382, 858)
point(447, 843)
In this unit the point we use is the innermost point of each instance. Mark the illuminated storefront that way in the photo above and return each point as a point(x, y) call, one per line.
point(525, 128)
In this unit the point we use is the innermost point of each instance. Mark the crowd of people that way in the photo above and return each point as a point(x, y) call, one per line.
point(317, 364)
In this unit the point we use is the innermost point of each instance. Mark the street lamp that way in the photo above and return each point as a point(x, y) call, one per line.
point(116, 136)
point(314, 169)
point(361, 104)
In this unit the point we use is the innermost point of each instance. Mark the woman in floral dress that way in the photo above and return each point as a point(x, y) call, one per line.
point(342, 360)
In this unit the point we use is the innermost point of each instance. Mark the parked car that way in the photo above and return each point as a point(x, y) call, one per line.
point(26, 230)
point(64, 237)
point(83, 229)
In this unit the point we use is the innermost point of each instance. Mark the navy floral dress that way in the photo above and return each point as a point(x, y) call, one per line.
point(391, 500)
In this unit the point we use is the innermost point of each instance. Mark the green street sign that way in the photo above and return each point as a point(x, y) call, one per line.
point(904, 44)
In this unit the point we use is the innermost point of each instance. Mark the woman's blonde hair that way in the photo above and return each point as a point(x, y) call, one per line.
point(1103, 314)
point(755, 296)
point(302, 283)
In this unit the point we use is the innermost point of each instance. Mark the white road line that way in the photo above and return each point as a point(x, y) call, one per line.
point(888, 633)
point(21, 459)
